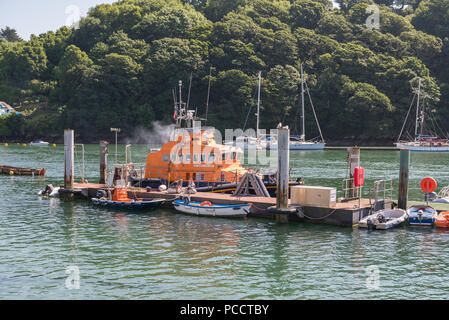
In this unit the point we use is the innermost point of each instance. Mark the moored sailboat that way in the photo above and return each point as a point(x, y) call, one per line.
point(299, 142)
point(421, 142)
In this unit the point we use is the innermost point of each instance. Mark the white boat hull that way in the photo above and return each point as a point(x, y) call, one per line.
point(422, 148)
point(194, 208)
point(39, 144)
point(391, 218)
point(302, 146)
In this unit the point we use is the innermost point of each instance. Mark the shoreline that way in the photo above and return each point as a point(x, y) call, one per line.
point(379, 144)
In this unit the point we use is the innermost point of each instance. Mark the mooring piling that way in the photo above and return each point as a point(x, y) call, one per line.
point(281, 210)
point(353, 162)
point(104, 150)
point(283, 167)
point(69, 150)
point(404, 165)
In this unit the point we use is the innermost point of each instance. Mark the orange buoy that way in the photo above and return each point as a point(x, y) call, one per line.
point(428, 185)
point(442, 220)
point(206, 203)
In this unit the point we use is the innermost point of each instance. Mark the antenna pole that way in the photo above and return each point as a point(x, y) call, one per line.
point(302, 104)
point(190, 88)
point(258, 106)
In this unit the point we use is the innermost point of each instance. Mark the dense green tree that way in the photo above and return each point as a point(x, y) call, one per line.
point(10, 35)
point(120, 67)
point(432, 17)
point(306, 13)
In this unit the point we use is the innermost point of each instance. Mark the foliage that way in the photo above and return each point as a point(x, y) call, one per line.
point(121, 66)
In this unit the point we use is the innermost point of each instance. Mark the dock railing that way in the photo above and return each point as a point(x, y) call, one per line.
point(384, 189)
point(350, 192)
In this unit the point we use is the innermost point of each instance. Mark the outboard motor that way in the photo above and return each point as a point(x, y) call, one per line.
point(47, 190)
point(431, 196)
point(420, 212)
point(381, 218)
point(101, 194)
point(370, 223)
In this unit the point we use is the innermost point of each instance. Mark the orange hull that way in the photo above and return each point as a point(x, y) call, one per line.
point(442, 220)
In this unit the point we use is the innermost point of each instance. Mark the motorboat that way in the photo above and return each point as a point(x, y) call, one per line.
point(208, 209)
point(384, 219)
point(120, 199)
point(421, 215)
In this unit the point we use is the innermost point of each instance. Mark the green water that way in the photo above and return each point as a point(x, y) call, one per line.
point(165, 255)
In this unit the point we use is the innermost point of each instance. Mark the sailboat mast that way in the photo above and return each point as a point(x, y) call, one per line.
point(258, 106)
point(417, 108)
point(208, 92)
point(303, 137)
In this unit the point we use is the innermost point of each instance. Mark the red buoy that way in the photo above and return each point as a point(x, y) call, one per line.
point(428, 184)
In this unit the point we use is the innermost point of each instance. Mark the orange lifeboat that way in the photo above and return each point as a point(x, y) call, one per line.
point(442, 220)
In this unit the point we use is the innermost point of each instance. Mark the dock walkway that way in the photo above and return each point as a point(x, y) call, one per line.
point(342, 214)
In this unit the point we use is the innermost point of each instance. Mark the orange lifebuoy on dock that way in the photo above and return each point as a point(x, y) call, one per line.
point(206, 203)
point(428, 184)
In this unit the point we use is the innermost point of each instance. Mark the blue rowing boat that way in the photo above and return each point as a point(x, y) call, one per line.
point(421, 215)
point(140, 204)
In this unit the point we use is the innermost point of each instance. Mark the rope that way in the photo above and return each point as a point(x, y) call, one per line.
point(260, 209)
point(406, 117)
point(249, 111)
point(321, 218)
point(313, 109)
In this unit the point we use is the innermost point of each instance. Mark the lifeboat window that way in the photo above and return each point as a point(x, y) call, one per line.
point(195, 158)
point(165, 157)
point(188, 158)
point(223, 177)
point(203, 158)
point(212, 158)
point(199, 176)
point(181, 157)
point(234, 155)
point(173, 157)
point(223, 157)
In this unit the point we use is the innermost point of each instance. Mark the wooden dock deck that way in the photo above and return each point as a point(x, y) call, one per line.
point(342, 214)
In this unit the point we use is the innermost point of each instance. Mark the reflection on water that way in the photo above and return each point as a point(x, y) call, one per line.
point(165, 255)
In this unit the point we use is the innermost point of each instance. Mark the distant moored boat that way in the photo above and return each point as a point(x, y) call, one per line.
point(39, 143)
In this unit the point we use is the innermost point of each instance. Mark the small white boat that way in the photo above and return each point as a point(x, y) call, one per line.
point(211, 210)
point(39, 143)
point(384, 219)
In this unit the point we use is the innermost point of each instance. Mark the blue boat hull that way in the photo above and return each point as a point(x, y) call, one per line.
point(427, 217)
point(133, 205)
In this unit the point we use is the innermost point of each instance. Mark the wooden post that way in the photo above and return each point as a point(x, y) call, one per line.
point(353, 161)
point(69, 150)
point(104, 150)
point(403, 178)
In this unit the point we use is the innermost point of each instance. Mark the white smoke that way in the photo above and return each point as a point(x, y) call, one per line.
point(159, 135)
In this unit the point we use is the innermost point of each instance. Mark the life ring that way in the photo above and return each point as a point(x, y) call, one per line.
point(206, 203)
